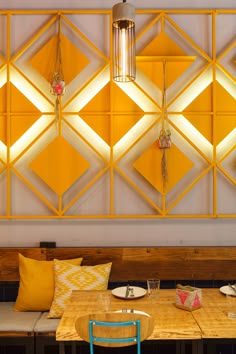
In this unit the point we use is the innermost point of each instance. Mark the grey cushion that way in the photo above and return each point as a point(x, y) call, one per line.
point(45, 324)
point(12, 321)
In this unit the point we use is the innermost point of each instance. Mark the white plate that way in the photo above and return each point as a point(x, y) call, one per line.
point(134, 311)
point(227, 290)
point(121, 291)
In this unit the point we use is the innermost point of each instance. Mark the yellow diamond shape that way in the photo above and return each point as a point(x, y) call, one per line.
point(228, 56)
point(2, 166)
point(161, 47)
point(224, 124)
point(149, 166)
point(101, 123)
point(59, 165)
point(73, 60)
point(19, 124)
point(230, 167)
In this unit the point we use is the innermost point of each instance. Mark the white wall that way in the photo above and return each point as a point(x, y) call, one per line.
point(118, 232)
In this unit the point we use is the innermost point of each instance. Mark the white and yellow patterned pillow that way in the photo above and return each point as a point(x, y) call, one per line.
point(69, 277)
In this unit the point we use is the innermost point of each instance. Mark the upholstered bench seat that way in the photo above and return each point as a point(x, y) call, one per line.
point(12, 321)
point(46, 325)
point(45, 332)
point(17, 328)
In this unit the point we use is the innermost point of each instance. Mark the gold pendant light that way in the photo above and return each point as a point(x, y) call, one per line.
point(123, 29)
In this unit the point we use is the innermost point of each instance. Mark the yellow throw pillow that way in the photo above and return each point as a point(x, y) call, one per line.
point(36, 289)
point(69, 277)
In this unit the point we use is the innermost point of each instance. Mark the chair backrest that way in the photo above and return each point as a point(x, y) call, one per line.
point(114, 329)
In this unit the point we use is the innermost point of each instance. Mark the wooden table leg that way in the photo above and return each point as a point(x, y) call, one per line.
point(211, 347)
point(180, 347)
point(197, 347)
point(62, 348)
point(73, 347)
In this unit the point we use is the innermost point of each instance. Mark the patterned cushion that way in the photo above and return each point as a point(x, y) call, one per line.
point(69, 277)
point(36, 288)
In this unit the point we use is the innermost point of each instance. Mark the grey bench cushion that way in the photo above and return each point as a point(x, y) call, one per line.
point(46, 325)
point(12, 321)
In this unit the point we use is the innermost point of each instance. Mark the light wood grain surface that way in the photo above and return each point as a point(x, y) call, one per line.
point(169, 322)
point(173, 263)
point(165, 263)
point(212, 317)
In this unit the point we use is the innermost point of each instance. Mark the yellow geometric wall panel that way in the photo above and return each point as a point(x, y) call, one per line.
point(94, 151)
point(74, 61)
point(149, 165)
point(224, 122)
point(19, 121)
point(3, 129)
point(3, 109)
point(3, 101)
point(59, 159)
point(121, 123)
point(163, 47)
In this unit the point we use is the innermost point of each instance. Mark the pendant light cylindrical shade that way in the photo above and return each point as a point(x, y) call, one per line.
point(123, 28)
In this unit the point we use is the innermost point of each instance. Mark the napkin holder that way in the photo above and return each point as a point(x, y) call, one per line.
point(188, 299)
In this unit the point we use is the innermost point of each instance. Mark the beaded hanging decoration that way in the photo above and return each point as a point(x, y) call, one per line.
point(164, 140)
point(58, 82)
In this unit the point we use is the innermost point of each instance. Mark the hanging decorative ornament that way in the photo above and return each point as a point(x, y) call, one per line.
point(58, 85)
point(164, 140)
point(58, 82)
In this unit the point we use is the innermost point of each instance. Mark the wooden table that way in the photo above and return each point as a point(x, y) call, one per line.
point(212, 318)
point(170, 323)
point(208, 322)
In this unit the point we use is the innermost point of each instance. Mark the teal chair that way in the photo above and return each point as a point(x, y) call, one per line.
point(114, 329)
point(134, 339)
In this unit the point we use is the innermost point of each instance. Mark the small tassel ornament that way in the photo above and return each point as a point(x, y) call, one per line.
point(164, 140)
point(58, 82)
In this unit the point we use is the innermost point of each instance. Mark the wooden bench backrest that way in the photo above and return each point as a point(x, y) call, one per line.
point(129, 263)
point(9, 264)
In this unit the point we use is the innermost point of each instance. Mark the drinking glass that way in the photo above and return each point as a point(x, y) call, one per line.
point(231, 306)
point(153, 286)
point(104, 302)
